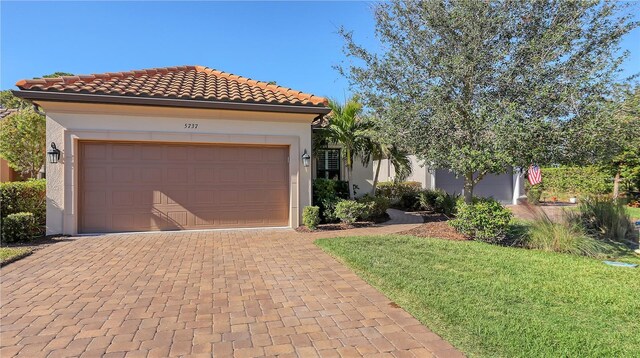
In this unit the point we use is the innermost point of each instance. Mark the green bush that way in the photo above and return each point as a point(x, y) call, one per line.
point(311, 217)
point(575, 181)
point(485, 220)
point(25, 196)
point(534, 193)
point(376, 206)
point(19, 227)
point(428, 198)
point(446, 203)
point(565, 237)
point(325, 197)
point(348, 211)
point(394, 191)
point(604, 219)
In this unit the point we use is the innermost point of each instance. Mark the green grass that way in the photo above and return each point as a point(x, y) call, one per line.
point(9, 253)
point(493, 301)
point(633, 212)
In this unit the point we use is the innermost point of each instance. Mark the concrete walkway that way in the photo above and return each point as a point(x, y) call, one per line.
point(243, 293)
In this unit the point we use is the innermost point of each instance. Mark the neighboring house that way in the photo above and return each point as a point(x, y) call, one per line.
point(506, 188)
point(174, 148)
point(7, 173)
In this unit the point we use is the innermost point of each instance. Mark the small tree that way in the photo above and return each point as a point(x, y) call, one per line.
point(22, 142)
point(481, 86)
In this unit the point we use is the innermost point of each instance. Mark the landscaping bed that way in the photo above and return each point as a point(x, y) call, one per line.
point(491, 300)
point(344, 226)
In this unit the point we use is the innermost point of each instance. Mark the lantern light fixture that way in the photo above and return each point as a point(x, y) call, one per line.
point(53, 154)
point(306, 159)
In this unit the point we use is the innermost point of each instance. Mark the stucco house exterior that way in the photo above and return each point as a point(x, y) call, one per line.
point(185, 147)
point(190, 147)
point(506, 188)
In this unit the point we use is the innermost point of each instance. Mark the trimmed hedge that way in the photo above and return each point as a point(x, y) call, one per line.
point(348, 211)
point(575, 181)
point(376, 206)
point(311, 217)
point(395, 191)
point(25, 196)
point(485, 220)
point(19, 227)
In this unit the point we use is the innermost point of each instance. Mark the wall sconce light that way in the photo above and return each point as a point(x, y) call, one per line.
point(306, 159)
point(431, 170)
point(53, 154)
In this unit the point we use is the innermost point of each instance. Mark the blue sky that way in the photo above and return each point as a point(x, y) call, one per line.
point(293, 43)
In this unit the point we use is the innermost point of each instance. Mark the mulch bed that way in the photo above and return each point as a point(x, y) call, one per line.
point(436, 226)
point(343, 226)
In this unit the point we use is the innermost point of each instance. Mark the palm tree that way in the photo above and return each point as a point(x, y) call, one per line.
point(349, 130)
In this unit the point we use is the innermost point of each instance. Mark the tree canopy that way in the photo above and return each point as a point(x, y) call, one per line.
point(479, 86)
point(22, 141)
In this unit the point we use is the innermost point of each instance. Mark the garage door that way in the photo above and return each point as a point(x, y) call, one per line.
point(145, 187)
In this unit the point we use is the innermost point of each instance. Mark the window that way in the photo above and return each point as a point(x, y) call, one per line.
point(328, 164)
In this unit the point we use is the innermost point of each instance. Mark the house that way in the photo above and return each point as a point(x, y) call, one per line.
point(174, 148)
point(6, 172)
point(506, 188)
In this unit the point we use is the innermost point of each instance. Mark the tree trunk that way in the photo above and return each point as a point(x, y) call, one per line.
point(349, 175)
point(616, 184)
point(468, 187)
point(375, 179)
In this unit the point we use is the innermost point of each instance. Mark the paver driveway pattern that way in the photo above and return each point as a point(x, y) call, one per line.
point(220, 293)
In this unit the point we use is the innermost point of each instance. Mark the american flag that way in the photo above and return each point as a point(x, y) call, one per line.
point(534, 175)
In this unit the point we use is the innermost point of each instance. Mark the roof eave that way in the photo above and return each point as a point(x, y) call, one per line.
point(168, 102)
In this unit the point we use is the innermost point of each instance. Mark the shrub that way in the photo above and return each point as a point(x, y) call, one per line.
point(394, 191)
point(26, 196)
point(576, 181)
point(428, 198)
point(348, 211)
point(446, 203)
point(325, 197)
point(566, 237)
point(604, 219)
point(376, 206)
point(485, 220)
point(409, 201)
point(19, 227)
point(311, 217)
point(534, 193)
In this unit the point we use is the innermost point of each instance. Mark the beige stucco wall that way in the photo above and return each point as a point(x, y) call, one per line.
point(69, 123)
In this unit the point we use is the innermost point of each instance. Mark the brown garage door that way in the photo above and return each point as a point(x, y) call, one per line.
point(144, 187)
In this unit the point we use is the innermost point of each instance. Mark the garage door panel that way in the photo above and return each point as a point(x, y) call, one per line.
point(151, 175)
point(122, 174)
point(123, 152)
point(140, 186)
point(94, 175)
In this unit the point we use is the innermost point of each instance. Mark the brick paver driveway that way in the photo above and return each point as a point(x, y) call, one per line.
point(222, 293)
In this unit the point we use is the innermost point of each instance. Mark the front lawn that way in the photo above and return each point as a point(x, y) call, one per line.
point(494, 301)
point(8, 254)
point(633, 212)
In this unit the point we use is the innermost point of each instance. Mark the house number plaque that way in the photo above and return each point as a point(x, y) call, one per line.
point(191, 125)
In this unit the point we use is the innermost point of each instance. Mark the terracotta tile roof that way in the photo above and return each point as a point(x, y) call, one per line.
point(183, 82)
point(6, 111)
